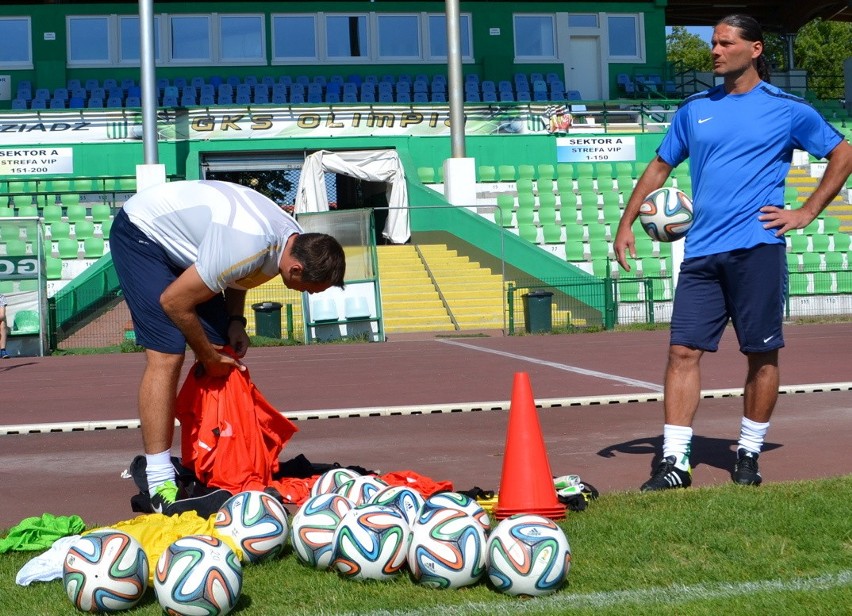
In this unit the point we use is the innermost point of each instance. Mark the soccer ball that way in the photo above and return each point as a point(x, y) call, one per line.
point(370, 543)
point(666, 214)
point(256, 522)
point(198, 574)
point(405, 500)
point(528, 555)
point(105, 571)
point(361, 489)
point(454, 500)
point(313, 528)
point(329, 481)
point(447, 550)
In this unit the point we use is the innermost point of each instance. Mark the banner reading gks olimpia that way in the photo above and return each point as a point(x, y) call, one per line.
point(270, 122)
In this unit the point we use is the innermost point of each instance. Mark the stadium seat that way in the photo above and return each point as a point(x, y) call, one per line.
point(506, 173)
point(552, 233)
point(26, 322)
point(75, 213)
point(426, 175)
point(106, 226)
point(820, 242)
point(823, 283)
point(53, 267)
point(840, 242)
point(13, 248)
point(93, 247)
point(830, 224)
point(506, 205)
point(68, 248)
point(487, 173)
point(528, 232)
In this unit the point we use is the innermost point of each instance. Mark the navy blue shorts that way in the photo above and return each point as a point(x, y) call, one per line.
point(144, 271)
point(747, 286)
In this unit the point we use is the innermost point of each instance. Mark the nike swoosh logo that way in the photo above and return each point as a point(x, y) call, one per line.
point(157, 508)
point(765, 340)
point(703, 120)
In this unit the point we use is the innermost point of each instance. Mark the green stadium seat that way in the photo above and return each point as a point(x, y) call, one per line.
point(7, 287)
point(546, 172)
point(53, 267)
point(793, 262)
point(13, 248)
point(574, 232)
point(585, 186)
point(70, 199)
point(551, 233)
point(105, 228)
point(798, 283)
point(823, 283)
point(51, 213)
point(526, 172)
point(798, 243)
point(75, 213)
point(487, 173)
point(547, 200)
point(59, 229)
point(602, 268)
point(623, 168)
point(811, 261)
point(524, 185)
point(575, 250)
point(841, 242)
point(526, 200)
point(524, 215)
point(545, 186)
point(506, 204)
point(596, 231)
point(506, 173)
point(528, 232)
point(93, 247)
point(584, 170)
point(644, 246)
point(600, 249)
point(791, 195)
point(28, 211)
point(84, 229)
point(547, 214)
point(426, 175)
point(101, 212)
point(820, 242)
point(564, 170)
point(7, 212)
point(565, 186)
point(589, 213)
point(833, 261)
point(26, 322)
point(629, 290)
point(830, 224)
point(68, 248)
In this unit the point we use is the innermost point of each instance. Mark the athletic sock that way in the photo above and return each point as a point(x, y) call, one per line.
point(677, 442)
point(752, 435)
point(158, 469)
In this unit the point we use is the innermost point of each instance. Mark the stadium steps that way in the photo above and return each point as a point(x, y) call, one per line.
point(410, 302)
point(473, 293)
point(800, 178)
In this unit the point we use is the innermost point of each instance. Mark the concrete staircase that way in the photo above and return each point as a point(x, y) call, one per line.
point(436, 289)
point(805, 184)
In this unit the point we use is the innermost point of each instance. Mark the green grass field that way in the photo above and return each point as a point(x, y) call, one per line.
point(778, 549)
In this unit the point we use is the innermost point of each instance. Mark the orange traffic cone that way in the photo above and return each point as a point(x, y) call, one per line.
point(527, 483)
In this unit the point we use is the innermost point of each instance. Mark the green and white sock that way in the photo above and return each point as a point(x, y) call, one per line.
point(158, 469)
point(677, 442)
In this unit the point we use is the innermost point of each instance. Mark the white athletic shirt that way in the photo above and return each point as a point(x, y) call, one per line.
point(233, 235)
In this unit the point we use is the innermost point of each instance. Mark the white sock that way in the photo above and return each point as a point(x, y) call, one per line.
point(677, 442)
point(158, 469)
point(752, 435)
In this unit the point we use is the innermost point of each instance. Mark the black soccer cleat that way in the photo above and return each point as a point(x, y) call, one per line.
point(745, 470)
point(668, 476)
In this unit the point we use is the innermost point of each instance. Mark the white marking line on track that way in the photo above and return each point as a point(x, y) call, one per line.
point(565, 367)
point(647, 597)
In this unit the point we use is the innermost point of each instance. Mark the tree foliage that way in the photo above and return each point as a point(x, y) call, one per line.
point(687, 51)
point(820, 47)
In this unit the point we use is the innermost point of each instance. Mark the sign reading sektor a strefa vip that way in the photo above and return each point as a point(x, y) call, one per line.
point(269, 122)
point(35, 160)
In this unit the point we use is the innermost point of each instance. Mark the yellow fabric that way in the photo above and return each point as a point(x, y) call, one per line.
point(155, 532)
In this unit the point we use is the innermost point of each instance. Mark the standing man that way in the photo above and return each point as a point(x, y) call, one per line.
point(739, 138)
point(185, 254)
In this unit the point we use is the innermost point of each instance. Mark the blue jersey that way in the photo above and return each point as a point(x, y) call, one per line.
point(740, 147)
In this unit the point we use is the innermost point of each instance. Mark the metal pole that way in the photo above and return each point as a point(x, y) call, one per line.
point(454, 77)
point(148, 81)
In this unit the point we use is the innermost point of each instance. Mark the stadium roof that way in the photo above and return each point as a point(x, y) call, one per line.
point(775, 15)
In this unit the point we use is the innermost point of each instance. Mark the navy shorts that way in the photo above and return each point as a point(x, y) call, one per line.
point(144, 271)
point(747, 286)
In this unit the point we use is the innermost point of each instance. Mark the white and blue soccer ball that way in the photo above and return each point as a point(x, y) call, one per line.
point(666, 214)
point(447, 550)
point(330, 480)
point(528, 555)
point(256, 522)
point(198, 574)
point(407, 501)
point(105, 571)
point(313, 528)
point(455, 500)
point(362, 489)
point(370, 543)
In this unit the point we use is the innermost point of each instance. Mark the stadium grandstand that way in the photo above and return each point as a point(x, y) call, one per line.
point(563, 105)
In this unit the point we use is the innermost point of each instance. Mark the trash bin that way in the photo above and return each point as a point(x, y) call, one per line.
point(267, 319)
point(537, 315)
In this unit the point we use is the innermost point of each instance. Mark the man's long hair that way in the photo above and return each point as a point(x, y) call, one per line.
point(750, 30)
point(322, 258)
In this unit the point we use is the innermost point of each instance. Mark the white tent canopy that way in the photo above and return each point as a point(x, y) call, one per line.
point(370, 165)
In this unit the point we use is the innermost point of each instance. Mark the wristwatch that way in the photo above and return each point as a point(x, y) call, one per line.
point(239, 318)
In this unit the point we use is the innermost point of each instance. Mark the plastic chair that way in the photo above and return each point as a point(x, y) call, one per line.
point(93, 247)
point(487, 173)
point(53, 267)
point(426, 175)
point(84, 229)
point(324, 315)
point(26, 322)
point(68, 248)
point(506, 173)
point(51, 213)
point(14, 248)
point(506, 205)
point(59, 230)
point(75, 213)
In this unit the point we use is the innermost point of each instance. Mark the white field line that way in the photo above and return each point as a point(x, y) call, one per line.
point(647, 597)
point(552, 364)
point(424, 409)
